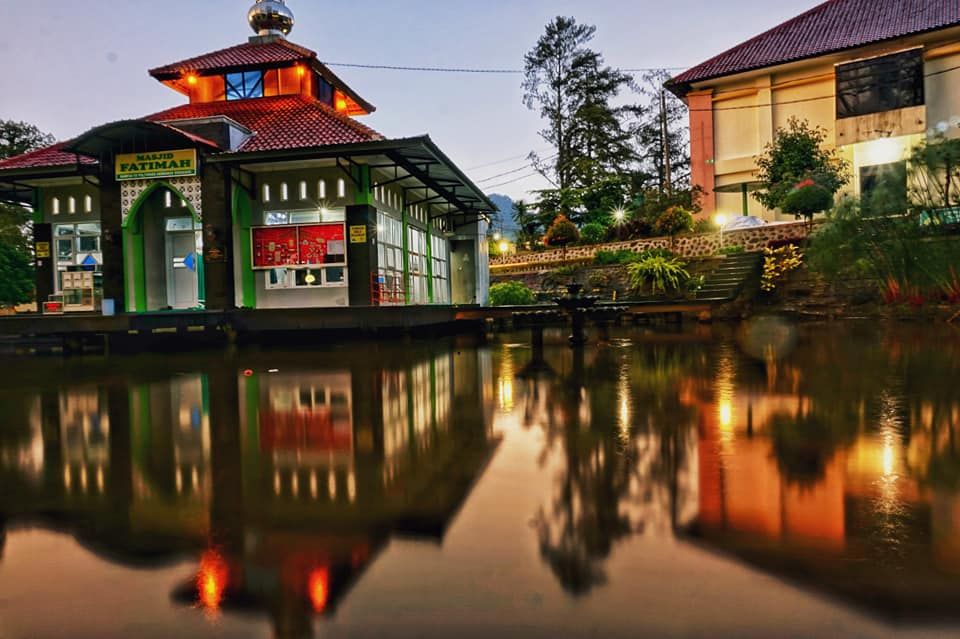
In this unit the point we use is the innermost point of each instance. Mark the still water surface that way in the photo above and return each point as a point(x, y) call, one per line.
point(771, 482)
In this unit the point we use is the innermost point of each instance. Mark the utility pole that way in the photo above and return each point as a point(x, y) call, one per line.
point(665, 138)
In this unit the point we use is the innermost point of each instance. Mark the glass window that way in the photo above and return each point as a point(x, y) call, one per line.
point(883, 189)
point(441, 270)
point(248, 84)
point(275, 218)
point(290, 278)
point(305, 217)
point(181, 224)
point(390, 282)
point(880, 84)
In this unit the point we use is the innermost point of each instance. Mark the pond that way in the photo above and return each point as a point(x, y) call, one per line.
point(759, 481)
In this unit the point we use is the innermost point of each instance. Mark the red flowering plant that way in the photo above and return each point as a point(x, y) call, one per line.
point(807, 198)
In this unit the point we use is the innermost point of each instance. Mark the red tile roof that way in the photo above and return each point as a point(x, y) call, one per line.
point(248, 54)
point(833, 26)
point(279, 123)
point(51, 156)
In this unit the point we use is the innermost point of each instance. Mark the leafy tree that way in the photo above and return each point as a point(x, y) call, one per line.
point(673, 221)
point(934, 182)
point(593, 233)
point(798, 153)
point(648, 131)
point(561, 233)
point(16, 263)
point(17, 138)
point(528, 222)
point(16, 275)
point(573, 90)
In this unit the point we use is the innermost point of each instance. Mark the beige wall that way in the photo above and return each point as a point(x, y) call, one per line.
point(748, 108)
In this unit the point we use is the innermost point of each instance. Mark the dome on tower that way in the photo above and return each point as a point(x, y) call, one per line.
point(270, 17)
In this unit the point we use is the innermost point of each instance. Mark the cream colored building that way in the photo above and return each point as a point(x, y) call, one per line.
point(878, 75)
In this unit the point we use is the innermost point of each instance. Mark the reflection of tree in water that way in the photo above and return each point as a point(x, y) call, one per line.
point(805, 443)
point(623, 433)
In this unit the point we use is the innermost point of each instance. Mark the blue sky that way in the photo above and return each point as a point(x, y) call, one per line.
point(74, 65)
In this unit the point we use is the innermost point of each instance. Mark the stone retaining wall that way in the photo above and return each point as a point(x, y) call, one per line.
point(701, 245)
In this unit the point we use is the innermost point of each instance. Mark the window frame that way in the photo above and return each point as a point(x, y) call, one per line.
point(251, 85)
point(880, 84)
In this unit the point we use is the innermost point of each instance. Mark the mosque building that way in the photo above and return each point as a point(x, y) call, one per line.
point(263, 191)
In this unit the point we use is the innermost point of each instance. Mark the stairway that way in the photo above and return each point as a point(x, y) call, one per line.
point(726, 282)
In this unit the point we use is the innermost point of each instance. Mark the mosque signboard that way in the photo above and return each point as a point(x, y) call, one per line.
point(156, 164)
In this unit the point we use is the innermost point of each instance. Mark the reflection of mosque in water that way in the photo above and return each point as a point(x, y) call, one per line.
point(287, 483)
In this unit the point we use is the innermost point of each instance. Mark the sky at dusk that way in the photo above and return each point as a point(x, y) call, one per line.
point(75, 65)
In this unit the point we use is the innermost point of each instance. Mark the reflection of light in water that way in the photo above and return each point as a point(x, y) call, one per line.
point(211, 580)
point(332, 485)
point(83, 479)
point(624, 404)
point(194, 478)
point(724, 394)
point(505, 383)
point(67, 478)
point(178, 480)
point(352, 486)
point(276, 482)
point(100, 480)
point(295, 484)
point(888, 505)
point(319, 588)
point(313, 484)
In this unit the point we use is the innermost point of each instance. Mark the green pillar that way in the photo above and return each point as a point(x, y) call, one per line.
point(242, 220)
point(429, 263)
point(361, 174)
point(746, 200)
point(406, 255)
point(135, 287)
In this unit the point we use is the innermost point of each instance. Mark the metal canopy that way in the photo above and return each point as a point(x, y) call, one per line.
point(415, 165)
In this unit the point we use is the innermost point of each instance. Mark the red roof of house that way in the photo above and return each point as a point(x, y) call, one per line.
point(279, 123)
point(248, 54)
point(833, 26)
point(51, 156)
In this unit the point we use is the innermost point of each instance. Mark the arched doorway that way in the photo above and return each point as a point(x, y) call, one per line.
point(163, 252)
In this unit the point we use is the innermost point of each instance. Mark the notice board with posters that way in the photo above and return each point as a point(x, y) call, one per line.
point(322, 244)
point(298, 245)
point(275, 246)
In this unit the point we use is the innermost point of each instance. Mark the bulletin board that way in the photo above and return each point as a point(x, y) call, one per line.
point(275, 246)
point(322, 244)
point(298, 245)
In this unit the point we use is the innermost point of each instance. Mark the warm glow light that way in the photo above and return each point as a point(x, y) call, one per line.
point(726, 414)
point(504, 247)
point(192, 80)
point(301, 71)
point(319, 588)
point(619, 215)
point(341, 104)
point(496, 236)
point(720, 220)
point(211, 580)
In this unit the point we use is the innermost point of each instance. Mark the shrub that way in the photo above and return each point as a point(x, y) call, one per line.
point(806, 199)
point(658, 274)
point(16, 275)
point(510, 294)
point(777, 263)
point(593, 233)
point(730, 250)
point(612, 258)
point(673, 221)
point(702, 227)
point(561, 233)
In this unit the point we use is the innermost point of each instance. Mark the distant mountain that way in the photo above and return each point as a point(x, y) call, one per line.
point(504, 222)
